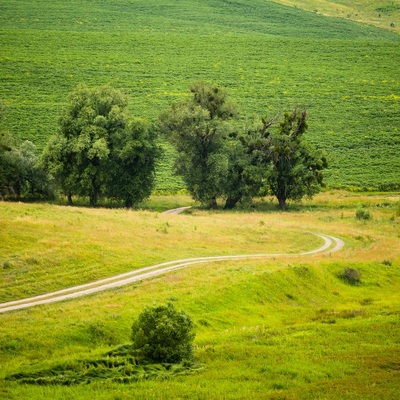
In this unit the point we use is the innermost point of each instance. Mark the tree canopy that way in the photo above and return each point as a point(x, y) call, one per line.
point(20, 171)
point(248, 164)
point(199, 128)
point(218, 158)
point(296, 165)
point(99, 151)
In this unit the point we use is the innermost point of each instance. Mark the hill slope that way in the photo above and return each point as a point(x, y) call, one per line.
point(269, 56)
point(284, 327)
point(379, 13)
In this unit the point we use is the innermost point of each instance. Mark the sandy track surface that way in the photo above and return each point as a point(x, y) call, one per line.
point(176, 211)
point(331, 244)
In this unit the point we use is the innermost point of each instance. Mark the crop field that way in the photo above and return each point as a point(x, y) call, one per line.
point(272, 328)
point(270, 58)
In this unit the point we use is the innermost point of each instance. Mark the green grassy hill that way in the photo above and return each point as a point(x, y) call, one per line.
point(270, 57)
point(275, 328)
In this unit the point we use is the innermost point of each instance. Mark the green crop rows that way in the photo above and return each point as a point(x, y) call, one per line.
point(269, 57)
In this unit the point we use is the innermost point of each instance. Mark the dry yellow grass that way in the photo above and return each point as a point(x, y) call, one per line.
point(366, 11)
point(45, 248)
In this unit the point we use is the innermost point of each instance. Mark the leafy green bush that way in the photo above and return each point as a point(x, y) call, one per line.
point(362, 214)
point(163, 334)
point(351, 276)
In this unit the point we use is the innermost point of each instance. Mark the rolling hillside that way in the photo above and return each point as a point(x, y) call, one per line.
point(269, 56)
point(279, 327)
point(383, 14)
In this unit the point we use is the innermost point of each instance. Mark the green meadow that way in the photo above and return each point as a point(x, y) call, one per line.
point(270, 57)
point(287, 327)
point(275, 328)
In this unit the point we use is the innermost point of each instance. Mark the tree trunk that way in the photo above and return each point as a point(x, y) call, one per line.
point(93, 200)
point(282, 203)
point(213, 204)
point(231, 202)
point(69, 196)
point(128, 203)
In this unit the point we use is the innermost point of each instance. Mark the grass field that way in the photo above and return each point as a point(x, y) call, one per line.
point(284, 328)
point(270, 57)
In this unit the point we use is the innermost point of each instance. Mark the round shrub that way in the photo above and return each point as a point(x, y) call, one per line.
point(362, 214)
point(351, 275)
point(163, 334)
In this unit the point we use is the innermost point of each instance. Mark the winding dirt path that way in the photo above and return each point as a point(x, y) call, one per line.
point(331, 244)
point(176, 211)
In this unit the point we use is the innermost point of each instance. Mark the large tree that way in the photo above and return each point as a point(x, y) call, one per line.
point(296, 165)
point(248, 163)
point(78, 155)
point(97, 151)
point(132, 162)
point(199, 128)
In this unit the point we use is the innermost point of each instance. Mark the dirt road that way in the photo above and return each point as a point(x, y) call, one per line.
point(331, 244)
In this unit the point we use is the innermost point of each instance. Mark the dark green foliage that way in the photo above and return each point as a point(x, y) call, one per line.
point(78, 155)
point(6, 165)
point(351, 276)
point(215, 100)
point(199, 128)
point(216, 159)
point(98, 151)
point(296, 165)
point(363, 214)
point(248, 164)
point(133, 157)
point(21, 175)
point(163, 334)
